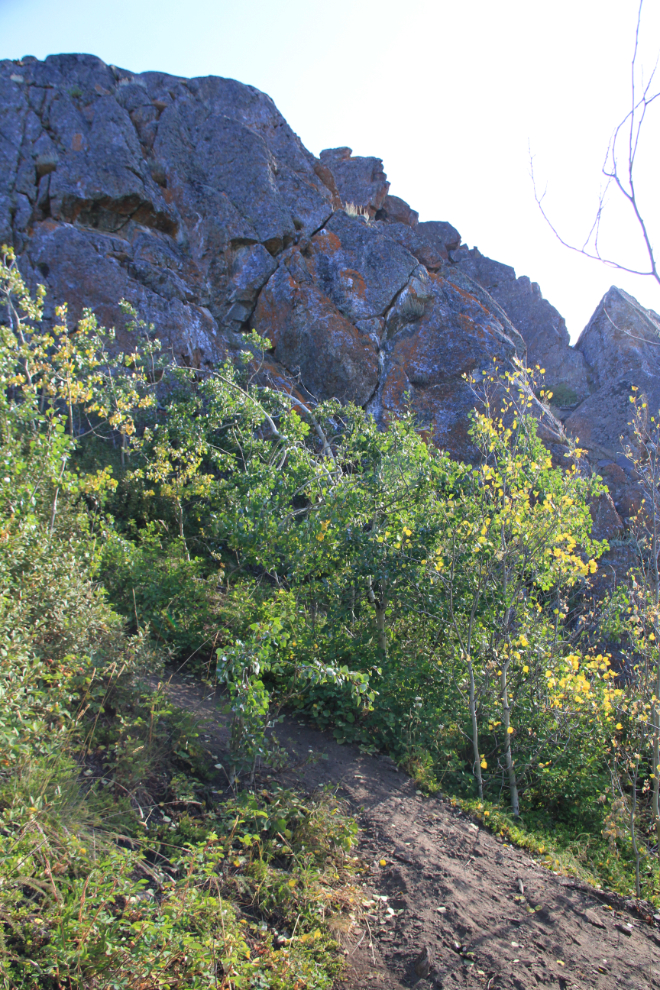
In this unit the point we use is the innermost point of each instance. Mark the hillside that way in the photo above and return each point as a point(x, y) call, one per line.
point(330, 571)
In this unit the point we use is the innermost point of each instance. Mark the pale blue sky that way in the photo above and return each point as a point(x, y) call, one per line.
point(450, 94)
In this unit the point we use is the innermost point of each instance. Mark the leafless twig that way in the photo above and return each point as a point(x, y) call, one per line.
point(619, 171)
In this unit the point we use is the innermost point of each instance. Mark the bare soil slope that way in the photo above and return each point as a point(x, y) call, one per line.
point(465, 910)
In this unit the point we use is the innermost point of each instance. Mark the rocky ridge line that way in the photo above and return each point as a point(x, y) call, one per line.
point(194, 200)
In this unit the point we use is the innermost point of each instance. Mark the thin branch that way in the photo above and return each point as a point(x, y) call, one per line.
point(623, 179)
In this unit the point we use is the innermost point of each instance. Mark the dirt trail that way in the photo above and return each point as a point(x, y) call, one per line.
point(487, 915)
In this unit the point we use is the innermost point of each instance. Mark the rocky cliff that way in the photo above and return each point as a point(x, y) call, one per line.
point(194, 200)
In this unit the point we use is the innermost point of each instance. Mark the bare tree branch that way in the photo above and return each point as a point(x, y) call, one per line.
point(619, 171)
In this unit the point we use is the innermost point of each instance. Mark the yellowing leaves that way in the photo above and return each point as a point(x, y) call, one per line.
point(311, 936)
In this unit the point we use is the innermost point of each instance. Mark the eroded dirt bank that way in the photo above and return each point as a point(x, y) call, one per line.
point(453, 906)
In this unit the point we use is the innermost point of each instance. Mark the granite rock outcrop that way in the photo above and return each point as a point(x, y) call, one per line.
point(194, 200)
point(621, 348)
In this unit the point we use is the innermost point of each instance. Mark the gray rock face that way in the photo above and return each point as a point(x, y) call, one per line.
point(360, 181)
point(541, 326)
point(175, 194)
point(439, 331)
point(14, 187)
point(194, 200)
point(621, 348)
point(430, 242)
point(356, 267)
point(397, 211)
point(621, 338)
point(607, 523)
point(312, 339)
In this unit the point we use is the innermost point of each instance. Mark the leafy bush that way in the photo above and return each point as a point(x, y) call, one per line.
point(98, 885)
point(293, 557)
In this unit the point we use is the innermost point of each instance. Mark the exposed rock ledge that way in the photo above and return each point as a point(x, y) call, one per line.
point(193, 199)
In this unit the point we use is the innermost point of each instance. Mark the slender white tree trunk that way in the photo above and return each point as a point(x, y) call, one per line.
point(506, 721)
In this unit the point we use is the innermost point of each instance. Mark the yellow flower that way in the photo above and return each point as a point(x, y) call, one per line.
point(510, 730)
point(483, 764)
point(619, 726)
point(525, 669)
